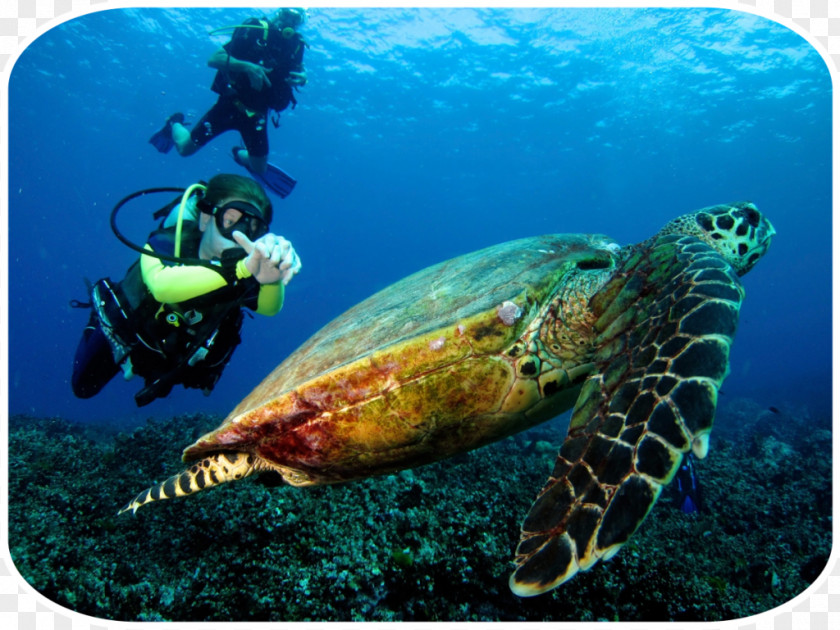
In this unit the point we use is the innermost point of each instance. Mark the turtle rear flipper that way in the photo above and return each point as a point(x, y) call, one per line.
point(665, 324)
point(211, 471)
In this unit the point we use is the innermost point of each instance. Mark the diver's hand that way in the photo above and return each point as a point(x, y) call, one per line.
point(297, 79)
point(289, 261)
point(270, 258)
point(258, 76)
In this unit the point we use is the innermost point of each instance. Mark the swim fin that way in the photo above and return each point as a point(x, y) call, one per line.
point(162, 140)
point(274, 178)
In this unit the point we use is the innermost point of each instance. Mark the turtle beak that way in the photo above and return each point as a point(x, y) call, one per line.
point(766, 234)
point(770, 232)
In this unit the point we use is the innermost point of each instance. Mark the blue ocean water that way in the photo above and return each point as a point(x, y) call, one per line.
point(423, 134)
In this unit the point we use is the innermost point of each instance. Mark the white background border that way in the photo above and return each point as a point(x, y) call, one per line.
point(21, 22)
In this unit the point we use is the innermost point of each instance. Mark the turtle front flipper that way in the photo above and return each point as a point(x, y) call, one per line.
point(665, 323)
point(211, 471)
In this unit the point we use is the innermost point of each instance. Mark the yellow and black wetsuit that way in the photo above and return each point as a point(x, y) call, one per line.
point(177, 284)
point(170, 323)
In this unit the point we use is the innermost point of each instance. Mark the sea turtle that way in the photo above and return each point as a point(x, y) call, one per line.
point(488, 344)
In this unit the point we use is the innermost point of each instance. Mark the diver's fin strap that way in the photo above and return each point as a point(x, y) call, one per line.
point(210, 471)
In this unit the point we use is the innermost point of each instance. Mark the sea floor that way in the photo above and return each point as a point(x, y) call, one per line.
point(434, 543)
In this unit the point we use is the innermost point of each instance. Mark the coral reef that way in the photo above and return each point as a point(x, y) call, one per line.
point(433, 543)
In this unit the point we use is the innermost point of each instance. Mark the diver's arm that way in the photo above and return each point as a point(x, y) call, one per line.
point(223, 60)
point(270, 298)
point(170, 285)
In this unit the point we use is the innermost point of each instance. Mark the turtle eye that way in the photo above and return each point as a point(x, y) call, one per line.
point(748, 212)
point(593, 263)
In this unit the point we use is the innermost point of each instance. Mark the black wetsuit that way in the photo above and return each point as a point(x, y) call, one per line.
point(240, 106)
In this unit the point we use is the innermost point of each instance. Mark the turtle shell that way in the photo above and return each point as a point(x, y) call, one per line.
point(392, 382)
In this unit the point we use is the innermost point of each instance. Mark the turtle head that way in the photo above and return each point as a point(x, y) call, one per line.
point(738, 231)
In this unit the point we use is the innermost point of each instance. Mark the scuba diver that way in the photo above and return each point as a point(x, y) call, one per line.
point(687, 492)
point(176, 316)
point(256, 71)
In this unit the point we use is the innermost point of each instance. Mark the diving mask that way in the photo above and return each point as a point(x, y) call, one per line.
point(288, 18)
point(242, 216)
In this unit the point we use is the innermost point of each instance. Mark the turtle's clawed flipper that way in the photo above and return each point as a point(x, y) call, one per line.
point(210, 471)
point(665, 322)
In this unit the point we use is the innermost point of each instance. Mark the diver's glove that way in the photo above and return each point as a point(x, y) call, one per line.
point(296, 79)
point(289, 265)
point(271, 258)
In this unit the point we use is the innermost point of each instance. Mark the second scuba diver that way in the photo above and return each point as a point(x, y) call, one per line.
point(256, 72)
point(175, 317)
